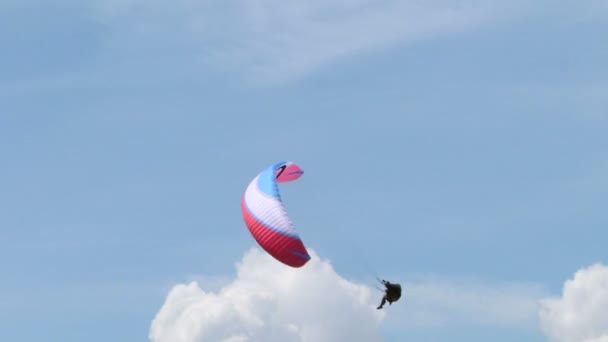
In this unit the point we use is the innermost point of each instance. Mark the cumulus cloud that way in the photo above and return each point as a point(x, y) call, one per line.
point(271, 302)
point(276, 40)
point(267, 301)
point(581, 313)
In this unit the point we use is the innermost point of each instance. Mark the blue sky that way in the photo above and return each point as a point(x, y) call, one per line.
point(463, 146)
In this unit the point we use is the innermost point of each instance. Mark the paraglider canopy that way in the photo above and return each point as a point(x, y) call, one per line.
point(266, 217)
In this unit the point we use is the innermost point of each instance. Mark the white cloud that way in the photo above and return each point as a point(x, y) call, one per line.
point(276, 40)
point(581, 314)
point(271, 302)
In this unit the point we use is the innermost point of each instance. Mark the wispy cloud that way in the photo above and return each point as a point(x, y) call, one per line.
point(274, 41)
point(264, 42)
point(433, 302)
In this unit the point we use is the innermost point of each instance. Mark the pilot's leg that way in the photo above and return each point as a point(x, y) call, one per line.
point(382, 303)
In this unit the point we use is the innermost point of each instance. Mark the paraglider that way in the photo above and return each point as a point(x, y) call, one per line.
point(266, 217)
point(392, 293)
